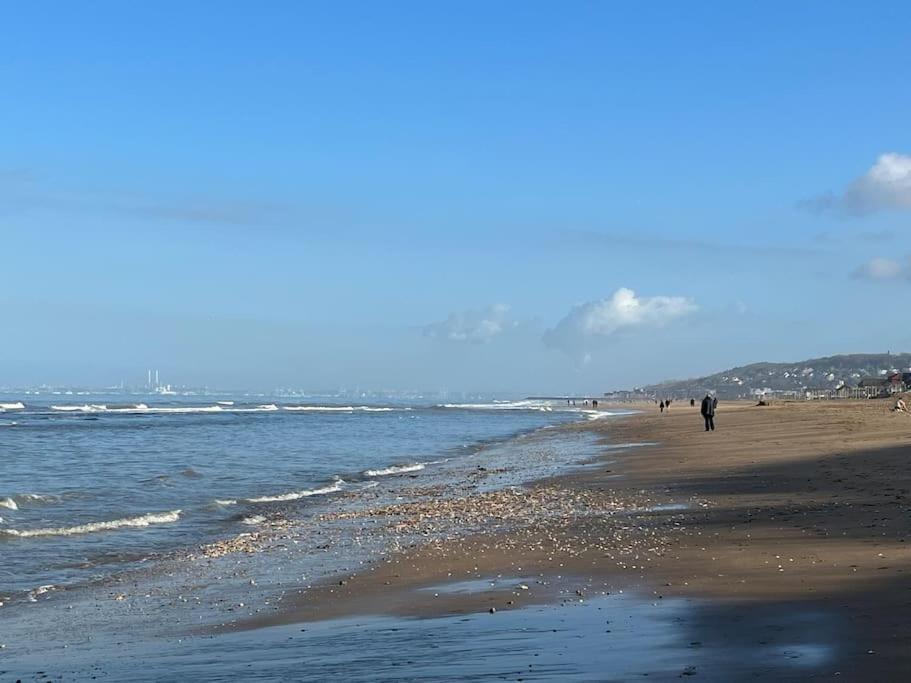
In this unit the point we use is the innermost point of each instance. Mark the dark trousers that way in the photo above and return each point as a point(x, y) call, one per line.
point(709, 422)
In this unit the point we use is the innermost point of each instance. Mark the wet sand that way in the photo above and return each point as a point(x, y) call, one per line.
point(789, 518)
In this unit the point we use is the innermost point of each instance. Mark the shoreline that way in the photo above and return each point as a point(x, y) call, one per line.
point(790, 509)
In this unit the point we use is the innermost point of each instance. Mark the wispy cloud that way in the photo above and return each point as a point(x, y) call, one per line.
point(22, 191)
point(884, 270)
point(886, 185)
point(474, 326)
point(589, 324)
point(590, 238)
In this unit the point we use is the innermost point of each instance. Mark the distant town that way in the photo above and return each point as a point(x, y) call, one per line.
point(155, 384)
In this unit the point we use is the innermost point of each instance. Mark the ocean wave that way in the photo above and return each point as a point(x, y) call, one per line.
point(596, 414)
point(253, 520)
point(8, 424)
point(40, 590)
point(542, 406)
point(18, 405)
point(342, 409)
point(268, 408)
point(143, 408)
point(111, 525)
point(80, 409)
point(218, 407)
point(296, 495)
point(395, 469)
point(15, 501)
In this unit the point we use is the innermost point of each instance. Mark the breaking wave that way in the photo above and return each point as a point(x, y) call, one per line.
point(253, 520)
point(296, 495)
point(341, 409)
point(143, 408)
point(127, 522)
point(395, 469)
point(543, 406)
point(13, 502)
point(219, 407)
point(18, 405)
point(337, 485)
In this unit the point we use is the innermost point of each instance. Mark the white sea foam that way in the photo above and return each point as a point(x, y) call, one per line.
point(143, 408)
point(127, 522)
point(596, 414)
point(80, 409)
point(40, 590)
point(253, 520)
point(543, 406)
point(9, 504)
point(342, 409)
point(268, 408)
point(219, 407)
point(18, 405)
point(296, 495)
point(395, 469)
point(225, 502)
point(31, 499)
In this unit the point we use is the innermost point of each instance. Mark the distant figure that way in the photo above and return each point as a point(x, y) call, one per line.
point(692, 403)
point(594, 403)
point(900, 406)
point(708, 411)
point(661, 406)
point(667, 403)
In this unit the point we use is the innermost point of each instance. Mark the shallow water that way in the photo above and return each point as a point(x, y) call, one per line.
point(607, 638)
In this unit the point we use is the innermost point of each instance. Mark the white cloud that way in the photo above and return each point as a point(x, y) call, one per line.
point(588, 323)
point(883, 269)
point(887, 185)
point(476, 327)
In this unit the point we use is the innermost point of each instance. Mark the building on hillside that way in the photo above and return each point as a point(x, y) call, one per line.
point(884, 385)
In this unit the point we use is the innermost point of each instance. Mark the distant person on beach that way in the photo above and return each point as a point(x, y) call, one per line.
point(594, 403)
point(900, 406)
point(667, 403)
point(661, 406)
point(692, 403)
point(708, 411)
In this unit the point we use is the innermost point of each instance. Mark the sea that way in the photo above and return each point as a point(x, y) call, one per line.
point(94, 487)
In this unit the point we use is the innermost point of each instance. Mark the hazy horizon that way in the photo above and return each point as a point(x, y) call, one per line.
point(470, 198)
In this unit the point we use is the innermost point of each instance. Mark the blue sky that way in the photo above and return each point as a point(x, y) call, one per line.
point(449, 195)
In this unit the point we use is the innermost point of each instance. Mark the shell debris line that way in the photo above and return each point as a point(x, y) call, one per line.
point(549, 518)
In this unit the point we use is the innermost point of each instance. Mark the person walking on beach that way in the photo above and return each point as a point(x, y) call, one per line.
point(661, 406)
point(708, 411)
point(692, 402)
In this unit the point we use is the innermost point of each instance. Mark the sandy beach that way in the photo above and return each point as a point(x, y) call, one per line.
point(788, 518)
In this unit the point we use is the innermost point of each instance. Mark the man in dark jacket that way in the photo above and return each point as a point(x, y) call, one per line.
point(708, 411)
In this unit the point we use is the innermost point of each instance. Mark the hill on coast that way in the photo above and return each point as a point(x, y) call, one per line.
point(830, 372)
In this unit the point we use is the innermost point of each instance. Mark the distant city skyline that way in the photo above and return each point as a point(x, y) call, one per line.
point(523, 198)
